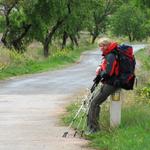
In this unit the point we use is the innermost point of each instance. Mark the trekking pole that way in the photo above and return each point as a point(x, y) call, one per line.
point(84, 116)
point(85, 110)
point(74, 119)
point(78, 126)
point(86, 113)
point(83, 127)
point(87, 100)
point(96, 81)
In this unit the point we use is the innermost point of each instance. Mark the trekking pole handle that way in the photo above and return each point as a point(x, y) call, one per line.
point(96, 80)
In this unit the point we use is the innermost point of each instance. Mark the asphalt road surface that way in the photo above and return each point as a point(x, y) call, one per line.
point(30, 106)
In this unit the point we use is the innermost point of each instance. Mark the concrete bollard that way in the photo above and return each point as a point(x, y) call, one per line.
point(115, 109)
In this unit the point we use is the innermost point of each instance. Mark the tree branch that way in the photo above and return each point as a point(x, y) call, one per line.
point(26, 29)
point(11, 7)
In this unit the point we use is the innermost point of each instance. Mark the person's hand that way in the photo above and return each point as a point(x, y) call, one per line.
point(104, 75)
point(97, 79)
point(98, 71)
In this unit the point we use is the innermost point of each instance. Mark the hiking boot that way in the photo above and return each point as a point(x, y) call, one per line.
point(91, 131)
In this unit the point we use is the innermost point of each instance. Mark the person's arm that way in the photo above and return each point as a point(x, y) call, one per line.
point(110, 66)
point(98, 70)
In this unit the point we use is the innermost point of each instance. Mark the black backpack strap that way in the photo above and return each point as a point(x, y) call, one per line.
point(116, 53)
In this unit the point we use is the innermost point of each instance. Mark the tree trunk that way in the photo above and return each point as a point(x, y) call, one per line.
point(65, 36)
point(94, 38)
point(46, 48)
point(4, 36)
point(95, 34)
point(130, 38)
point(49, 36)
point(17, 43)
point(7, 11)
point(76, 41)
point(71, 40)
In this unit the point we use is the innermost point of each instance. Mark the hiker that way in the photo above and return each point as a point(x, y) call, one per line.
point(108, 73)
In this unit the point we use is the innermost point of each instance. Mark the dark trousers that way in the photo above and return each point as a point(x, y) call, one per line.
point(94, 110)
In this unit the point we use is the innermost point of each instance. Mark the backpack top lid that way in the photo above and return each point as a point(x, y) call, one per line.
point(126, 50)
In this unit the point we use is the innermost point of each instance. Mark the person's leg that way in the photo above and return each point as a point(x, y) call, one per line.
point(94, 110)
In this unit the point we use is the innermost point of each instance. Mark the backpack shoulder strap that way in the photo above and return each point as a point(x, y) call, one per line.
point(116, 53)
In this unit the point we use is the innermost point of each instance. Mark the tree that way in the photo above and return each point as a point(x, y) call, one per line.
point(129, 21)
point(101, 10)
point(78, 19)
point(46, 17)
point(16, 27)
point(143, 3)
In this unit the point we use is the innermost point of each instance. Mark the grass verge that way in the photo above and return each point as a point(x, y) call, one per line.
point(13, 64)
point(133, 133)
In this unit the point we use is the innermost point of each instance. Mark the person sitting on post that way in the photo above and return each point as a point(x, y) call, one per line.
point(108, 73)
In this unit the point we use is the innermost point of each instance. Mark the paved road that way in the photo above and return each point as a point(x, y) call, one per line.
point(30, 105)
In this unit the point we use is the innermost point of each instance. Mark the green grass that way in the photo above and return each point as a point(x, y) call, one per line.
point(144, 57)
point(19, 64)
point(143, 89)
point(133, 133)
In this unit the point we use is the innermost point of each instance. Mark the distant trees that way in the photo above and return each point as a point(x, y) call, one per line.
point(101, 10)
point(78, 19)
point(46, 18)
point(64, 18)
point(130, 21)
point(23, 21)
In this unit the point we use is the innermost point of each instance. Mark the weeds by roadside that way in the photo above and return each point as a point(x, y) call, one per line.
point(13, 64)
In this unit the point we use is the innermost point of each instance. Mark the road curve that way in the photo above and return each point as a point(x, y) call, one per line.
point(30, 105)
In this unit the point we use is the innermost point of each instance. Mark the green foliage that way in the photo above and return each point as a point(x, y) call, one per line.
point(143, 3)
point(15, 25)
point(47, 21)
point(144, 95)
point(130, 21)
point(17, 21)
point(143, 90)
point(2, 24)
point(43, 15)
point(78, 18)
point(144, 56)
point(101, 10)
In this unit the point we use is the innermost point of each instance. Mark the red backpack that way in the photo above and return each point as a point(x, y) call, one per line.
point(127, 64)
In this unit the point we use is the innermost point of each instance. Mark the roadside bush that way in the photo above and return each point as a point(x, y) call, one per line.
point(143, 95)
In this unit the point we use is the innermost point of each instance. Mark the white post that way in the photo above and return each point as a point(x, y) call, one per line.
point(115, 109)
